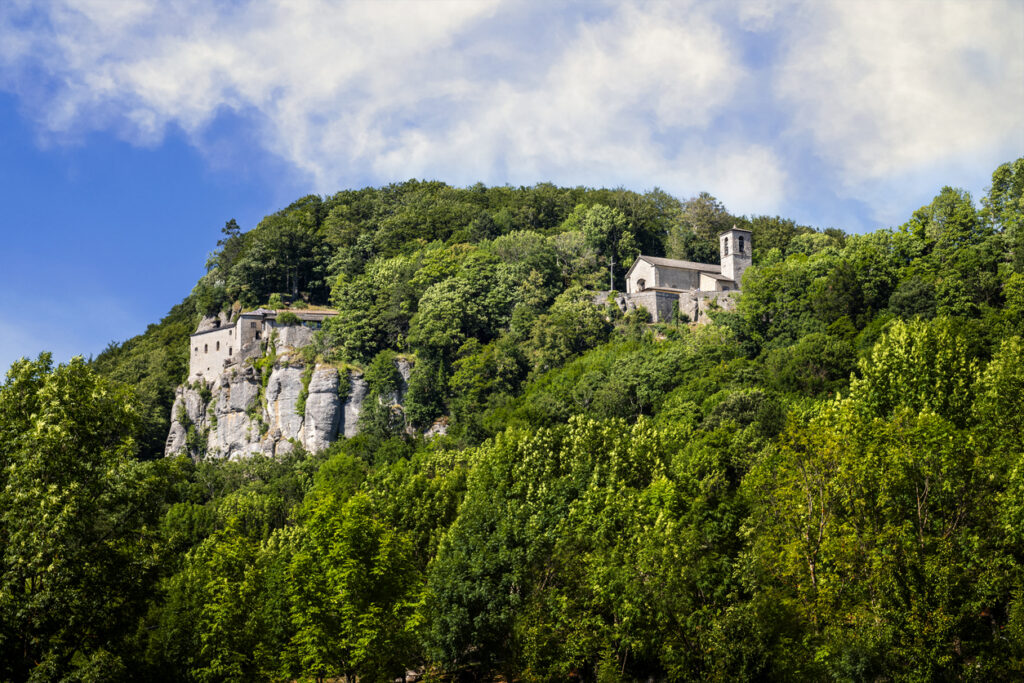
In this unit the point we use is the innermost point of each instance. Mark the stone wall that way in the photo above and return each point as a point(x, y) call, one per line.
point(694, 304)
point(677, 278)
point(210, 352)
point(697, 304)
point(658, 304)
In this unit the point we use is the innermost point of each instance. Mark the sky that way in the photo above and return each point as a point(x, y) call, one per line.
point(132, 130)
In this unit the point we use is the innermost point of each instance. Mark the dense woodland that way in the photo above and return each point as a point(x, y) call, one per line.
point(827, 483)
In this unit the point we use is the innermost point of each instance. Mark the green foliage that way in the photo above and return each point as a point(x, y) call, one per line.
point(815, 365)
point(287, 318)
point(575, 546)
point(352, 587)
point(307, 376)
point(475, 302)
point(1003, 208)
point(607, 231)
point(825, 484)
point(425, 399)
point(264, 364)
point(77, 521)
point(879, 533)
point(695, 229)
point(344, 383)
point(153, 364)
point(382, 375)
point(284, 253)
point(923, 366)
point(572, 325)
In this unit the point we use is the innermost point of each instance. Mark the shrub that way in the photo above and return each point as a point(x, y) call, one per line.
point(287, 318)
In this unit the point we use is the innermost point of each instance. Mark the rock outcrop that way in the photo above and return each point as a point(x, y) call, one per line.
point(236, 416)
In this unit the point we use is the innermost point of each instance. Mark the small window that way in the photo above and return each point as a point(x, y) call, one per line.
point(641, 284)
point(229, 351)
point(206, 348)
point(726, 243)
point(229, 332)
point(252, 325)
point(197, 349)
point(218, 346)
point(257, 335)
point(741, 244)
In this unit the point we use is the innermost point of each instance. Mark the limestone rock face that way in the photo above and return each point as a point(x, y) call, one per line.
point(175, 443)
point(212, 322)
point(293, 337)
point(439, 428)
point(283, 391)
point(235, 417)
point(234, 405)
point(323, 410)
point(358, 389)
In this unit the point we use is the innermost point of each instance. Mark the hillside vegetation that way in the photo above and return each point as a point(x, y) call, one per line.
point(827, 483)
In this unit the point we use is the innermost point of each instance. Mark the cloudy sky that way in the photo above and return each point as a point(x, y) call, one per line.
point(131, 130)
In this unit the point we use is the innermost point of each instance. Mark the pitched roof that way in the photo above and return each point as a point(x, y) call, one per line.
point(682, 265)
point(301, 313)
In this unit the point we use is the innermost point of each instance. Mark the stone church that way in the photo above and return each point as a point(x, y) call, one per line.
point(666, 286)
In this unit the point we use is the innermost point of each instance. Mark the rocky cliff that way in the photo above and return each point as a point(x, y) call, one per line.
point(267, 405)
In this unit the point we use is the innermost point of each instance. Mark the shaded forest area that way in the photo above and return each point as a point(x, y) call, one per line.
point(825, 484)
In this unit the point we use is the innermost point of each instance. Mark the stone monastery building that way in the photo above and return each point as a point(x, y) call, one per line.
point(218, 345)
point(661, 284)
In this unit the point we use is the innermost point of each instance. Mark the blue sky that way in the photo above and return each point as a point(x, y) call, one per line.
point(131, 131)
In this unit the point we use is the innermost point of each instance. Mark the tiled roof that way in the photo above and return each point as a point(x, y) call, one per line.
point(682, 265)
point(212, 329)
point(312, 315)
point(300, 313)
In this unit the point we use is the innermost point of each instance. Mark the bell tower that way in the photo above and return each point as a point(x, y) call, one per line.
point(735, 248)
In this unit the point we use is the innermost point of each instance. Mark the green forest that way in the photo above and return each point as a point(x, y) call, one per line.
point(825, 484)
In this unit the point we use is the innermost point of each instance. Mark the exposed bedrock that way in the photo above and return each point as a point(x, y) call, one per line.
point(235, 417)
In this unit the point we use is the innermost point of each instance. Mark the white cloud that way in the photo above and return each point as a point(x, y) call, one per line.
point(372, 92)
point(886, 89)
point(762, 15)
point(639, 94)
point(594, 115)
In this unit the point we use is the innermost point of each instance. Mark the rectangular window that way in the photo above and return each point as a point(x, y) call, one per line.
point(206, 348)
point(726, 242)
point(229, 350)
point(252, 325)
point(741, 244)
point(218, 346)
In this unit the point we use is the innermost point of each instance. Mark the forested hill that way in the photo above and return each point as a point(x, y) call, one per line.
point(477, 264)
point(827, 483)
